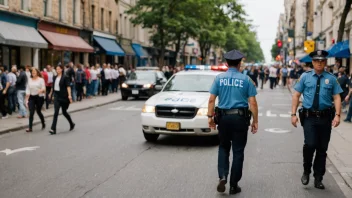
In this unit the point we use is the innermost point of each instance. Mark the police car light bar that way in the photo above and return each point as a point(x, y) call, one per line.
point(206, 67)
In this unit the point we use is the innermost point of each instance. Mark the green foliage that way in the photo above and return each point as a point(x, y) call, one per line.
point(214, 23)
point(274, 50)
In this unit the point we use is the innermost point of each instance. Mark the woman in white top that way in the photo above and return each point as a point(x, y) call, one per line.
point(94, 76)
point(273, 76)
point(35, 93)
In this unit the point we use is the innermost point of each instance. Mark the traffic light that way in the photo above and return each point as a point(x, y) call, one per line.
point(279, 43)
point(309, 46)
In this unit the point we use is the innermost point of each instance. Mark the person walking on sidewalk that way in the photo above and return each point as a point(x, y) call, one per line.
point(21, 84)
point(94, 84)
point(10, 90)
point(272, 76)
point(348, 98)
point(80, 80)
point(319, 89)
point(35, 94)
point(62, 98)
point(3, 110)
point(284, 74)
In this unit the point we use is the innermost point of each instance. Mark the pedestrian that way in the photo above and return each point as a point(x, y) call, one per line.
point(344, 83)
point(348, 98)
point(88, 82)
point(122, 75)
point(10, 89)
point(234, 90)
point(284, 74)
point(80, 80)
point(262, 76)
point(319, 89)
point(94, 82)
point(21, 84)
point(70, 72)
point(48, 84)
point(3, 81)
point(62, 98)
point(35, 94)
point(253, 74)
point(272, 76)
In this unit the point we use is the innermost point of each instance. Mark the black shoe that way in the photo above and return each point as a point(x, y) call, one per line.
point(72, 126)
point(318, 184)
point(52, 132)
point(305, 179)
point(43, 126)
point(235, 190)
point(222, 185)
point(29, 130)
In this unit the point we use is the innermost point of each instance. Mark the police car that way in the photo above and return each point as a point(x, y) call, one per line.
point(182, 105)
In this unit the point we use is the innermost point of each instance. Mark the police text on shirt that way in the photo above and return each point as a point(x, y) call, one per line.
point(231, 82)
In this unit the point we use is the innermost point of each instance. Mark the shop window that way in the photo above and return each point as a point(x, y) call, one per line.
point(109, 23)
point(62, 10)
point(3, 2)
point(5, 56)
point(74, 12)
point(93, 16)
point(25, 5)
point(45, 7)
point(102, 19)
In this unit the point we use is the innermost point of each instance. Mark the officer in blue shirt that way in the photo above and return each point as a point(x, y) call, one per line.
point(235, 90)
point(320, 89)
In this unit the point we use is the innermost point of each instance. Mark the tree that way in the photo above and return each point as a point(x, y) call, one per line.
point(345, 12)
point(274, 50)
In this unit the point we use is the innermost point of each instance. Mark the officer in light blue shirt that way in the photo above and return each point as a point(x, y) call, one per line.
point(320, 89)
point(235, 90)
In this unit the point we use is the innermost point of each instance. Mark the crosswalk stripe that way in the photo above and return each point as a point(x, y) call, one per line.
point(123, 108)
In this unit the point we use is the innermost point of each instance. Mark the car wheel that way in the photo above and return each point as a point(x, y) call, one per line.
point(124, 97)
point(151, 137)
point(215, 139)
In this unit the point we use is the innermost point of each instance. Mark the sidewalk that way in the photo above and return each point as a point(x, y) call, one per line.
point(13, 123)
point(340, 149)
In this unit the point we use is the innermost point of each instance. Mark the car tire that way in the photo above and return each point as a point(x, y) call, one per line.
point(150, 137)
point(215, 139)
point(124, 97)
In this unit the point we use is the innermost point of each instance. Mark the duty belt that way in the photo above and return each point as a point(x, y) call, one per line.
point(240, 112)
point(319, 113)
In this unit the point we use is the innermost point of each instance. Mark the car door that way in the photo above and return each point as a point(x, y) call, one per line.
point(161, 80)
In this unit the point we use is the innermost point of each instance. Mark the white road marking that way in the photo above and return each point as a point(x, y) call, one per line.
point(268, 114)
point(277, 130)
point(122, 108)
point(285, 115)
point(260, 114)
point(117, 108)
point(9, 151)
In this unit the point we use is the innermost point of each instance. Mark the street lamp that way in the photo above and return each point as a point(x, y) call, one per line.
point(289, 40)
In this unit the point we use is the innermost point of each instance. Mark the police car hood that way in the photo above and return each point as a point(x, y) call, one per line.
point(172, 98)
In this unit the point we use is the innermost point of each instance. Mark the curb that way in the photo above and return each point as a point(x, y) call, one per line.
point(346, 178)
point(52, 114)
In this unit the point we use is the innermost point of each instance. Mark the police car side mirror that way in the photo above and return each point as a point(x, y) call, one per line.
point(158, 87)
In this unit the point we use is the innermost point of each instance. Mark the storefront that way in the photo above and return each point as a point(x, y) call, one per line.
point(87, 36)
point(107, 50)
point(142, 55)
point(154, 55)
point(20, 42)
point(130, 56)
point(65, 45)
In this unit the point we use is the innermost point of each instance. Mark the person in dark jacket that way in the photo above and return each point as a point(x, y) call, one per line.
point(62, 98)
point(80, 82)
point(21, 84)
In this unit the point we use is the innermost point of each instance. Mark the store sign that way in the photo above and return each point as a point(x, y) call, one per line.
point(61, 30)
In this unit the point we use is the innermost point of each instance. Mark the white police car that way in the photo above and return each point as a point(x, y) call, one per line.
point(181, 107)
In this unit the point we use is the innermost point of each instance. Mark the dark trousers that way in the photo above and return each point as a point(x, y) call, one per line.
point(114, 85)
point(11, 99)
point(272, 82)
point(232, 128)
point(3, 110)
point(47, 98)
point(349, 113)
point(105, 87)
point(317, 133)
point(35, 104)
point(64, 106)
point(122, 79)
point(284, 80)
point(79, 88)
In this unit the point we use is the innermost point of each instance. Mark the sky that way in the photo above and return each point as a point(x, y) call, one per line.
point(265, 15)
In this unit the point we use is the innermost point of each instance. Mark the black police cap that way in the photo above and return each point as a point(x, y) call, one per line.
point(319, 55)
point(233, 57)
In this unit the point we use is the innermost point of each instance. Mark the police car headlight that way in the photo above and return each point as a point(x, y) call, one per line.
point(148, 109)
point(124, 85)
point(147, 86)
point(202, 112)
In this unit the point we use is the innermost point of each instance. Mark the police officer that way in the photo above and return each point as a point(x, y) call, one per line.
point(317, 116)
point(234, 90)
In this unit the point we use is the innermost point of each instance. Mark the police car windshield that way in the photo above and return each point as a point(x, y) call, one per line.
point(190, 83)
point(142, 75)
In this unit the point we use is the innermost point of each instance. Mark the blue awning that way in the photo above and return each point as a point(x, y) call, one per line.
point(340, 50)
point(110, 46)
point(140, 51)
point(306, 59)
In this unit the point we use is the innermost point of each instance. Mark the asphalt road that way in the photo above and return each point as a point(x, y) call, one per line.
point(107, 156)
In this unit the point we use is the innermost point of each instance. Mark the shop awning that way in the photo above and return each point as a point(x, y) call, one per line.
point(340, 50)
point(20, 35)
point(110, 46)
point(140, 51)
point(128, 49)
point(306, 59)
point(66, 42)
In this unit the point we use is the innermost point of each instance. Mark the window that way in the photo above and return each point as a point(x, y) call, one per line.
point(117, 26)
point(25, 5)
point(45, 7)
point(190, 83)
point(121, 24)
point(125, 26)
point(93, 16)
point(102, 19)
point(74, 12)
point(3, 2)
point(109, 25)
point(83, 14)
point(60, 10)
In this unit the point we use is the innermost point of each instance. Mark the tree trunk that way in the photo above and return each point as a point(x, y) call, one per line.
point(178, 45)
point(343, 20)
point(202, 51)
point(184, 51)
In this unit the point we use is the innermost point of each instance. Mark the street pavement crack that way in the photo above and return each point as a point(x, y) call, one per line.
point(107, 179)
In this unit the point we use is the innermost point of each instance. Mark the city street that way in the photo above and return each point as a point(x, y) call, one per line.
point(107, 156)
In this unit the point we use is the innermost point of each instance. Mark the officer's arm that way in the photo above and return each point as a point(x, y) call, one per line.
point(295, 101)
point(337, 103)
point(253, 105)
point(211, 104)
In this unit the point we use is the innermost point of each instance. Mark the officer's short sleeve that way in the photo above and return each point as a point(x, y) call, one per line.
point(336, 88)
point(299, 86)
point(252, 90)
point(215, 87)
